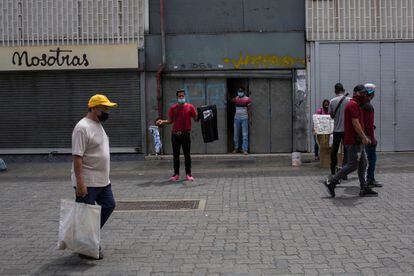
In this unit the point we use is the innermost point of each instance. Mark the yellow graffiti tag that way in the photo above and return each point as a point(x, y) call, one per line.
point(263, 61)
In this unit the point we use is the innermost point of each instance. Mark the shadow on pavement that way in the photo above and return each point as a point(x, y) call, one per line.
point(66, 265)
point(154, 183)
point(349, 198)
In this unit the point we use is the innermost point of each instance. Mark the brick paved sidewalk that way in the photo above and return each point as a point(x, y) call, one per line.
point(260, 219)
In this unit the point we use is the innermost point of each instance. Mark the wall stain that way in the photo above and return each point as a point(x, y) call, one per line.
point(263, 61)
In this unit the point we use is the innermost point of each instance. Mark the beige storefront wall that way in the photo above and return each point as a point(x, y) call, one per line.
point(68, 57)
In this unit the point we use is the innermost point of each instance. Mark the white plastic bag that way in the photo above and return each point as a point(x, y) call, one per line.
point(296, 159)
point(154, 130)
point(79, 227)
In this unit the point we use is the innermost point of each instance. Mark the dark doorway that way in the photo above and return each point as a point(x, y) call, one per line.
point(233, 85)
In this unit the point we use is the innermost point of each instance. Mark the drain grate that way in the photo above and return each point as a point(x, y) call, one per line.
point(160, 205)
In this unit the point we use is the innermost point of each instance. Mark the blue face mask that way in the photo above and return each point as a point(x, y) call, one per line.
point(240, 94)
point(181, 101)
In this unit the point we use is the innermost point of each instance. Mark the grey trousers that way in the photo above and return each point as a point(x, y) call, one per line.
point(357, 159)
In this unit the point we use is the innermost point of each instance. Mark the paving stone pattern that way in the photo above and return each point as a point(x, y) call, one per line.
point(260, 219)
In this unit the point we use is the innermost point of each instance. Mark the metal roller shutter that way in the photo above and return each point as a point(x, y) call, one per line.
point(39, 109)
point(389, 65)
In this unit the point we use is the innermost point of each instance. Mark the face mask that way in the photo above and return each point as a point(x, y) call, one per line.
point(360, 99)
point(181, 101)
point(103, 117)
point(240, 94)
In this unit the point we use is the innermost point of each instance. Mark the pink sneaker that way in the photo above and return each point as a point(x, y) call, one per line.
point(189, 178)
point(175, 178)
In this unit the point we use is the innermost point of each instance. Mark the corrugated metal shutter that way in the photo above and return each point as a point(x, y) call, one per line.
point(404, 100)
point(389, 65)
point(40, 109)
point(387, 134)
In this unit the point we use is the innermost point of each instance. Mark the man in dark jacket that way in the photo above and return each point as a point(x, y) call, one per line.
point(371, 148)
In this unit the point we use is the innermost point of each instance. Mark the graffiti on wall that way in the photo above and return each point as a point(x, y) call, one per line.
point(263, 61)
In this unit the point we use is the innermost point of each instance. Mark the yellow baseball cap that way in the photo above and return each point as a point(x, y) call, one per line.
point(99, 99)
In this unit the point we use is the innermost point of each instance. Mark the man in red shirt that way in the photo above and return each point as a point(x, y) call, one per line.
point(180, 115)
point(371, 148)
point(354, 141)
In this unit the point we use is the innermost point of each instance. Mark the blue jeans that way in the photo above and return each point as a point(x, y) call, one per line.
point(104, 197)
point(372, 160)
point(243, 125)
point(357, 159)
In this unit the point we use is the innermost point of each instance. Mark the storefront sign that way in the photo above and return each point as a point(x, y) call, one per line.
point(68, 57)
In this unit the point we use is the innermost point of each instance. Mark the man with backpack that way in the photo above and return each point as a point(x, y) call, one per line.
point(336, 110)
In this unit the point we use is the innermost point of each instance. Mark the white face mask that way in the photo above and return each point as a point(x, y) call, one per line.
point(181, 100)
point(240, 94)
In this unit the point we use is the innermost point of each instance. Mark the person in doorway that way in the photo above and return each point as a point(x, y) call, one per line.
point(91, 159)
point(371, 148)
point(355, 141)
point(242, 120)
point(336, 110)
point(180, 115)
point(320, 111)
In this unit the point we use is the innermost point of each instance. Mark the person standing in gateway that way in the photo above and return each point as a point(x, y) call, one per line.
point(91, 159)
point(180, 115)
point(242, 120)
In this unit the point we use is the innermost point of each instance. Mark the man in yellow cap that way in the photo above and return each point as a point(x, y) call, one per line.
point(90, 150)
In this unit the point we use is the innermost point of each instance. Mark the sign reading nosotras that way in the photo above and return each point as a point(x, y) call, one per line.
point(68, 57)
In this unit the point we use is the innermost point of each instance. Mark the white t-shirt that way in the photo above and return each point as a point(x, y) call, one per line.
point(90, 141)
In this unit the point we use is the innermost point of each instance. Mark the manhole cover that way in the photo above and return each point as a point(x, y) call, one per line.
point(160, 205)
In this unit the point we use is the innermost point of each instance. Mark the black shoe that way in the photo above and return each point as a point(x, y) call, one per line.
point(330, 187)
point(367, 192)
point(345, 177)
point(374, 184)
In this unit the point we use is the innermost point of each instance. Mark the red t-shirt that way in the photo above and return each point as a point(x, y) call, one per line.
point(369, 126)
point(180, 115)
point(352, 111)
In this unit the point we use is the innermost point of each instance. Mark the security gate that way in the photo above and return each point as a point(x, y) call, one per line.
point(39, 109)
point(389, 66)
point(271, 129)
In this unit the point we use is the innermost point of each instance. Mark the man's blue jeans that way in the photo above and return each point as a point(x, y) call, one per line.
point(372, 160)
point(243, 126)
point(104, 197)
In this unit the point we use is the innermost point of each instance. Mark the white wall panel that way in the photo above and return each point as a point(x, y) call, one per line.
point(359, 19)
point(69, 22)
point(390, 66)
point(404, 136)
point(387, 87)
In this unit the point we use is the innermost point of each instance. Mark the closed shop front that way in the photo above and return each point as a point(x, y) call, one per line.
point(271, 129)
point(39, 108)
point(258, 45)
point(389, 65)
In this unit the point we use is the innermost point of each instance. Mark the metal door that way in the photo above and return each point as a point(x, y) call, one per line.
point(271, 130)
point(389, 65)
point(199, 91)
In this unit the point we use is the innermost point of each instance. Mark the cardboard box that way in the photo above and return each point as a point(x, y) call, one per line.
point(325, 151)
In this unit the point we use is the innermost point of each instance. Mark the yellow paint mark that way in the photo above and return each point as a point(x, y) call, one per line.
point(263, 61)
